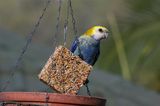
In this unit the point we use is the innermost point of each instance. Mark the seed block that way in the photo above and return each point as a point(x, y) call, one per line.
point(65, 72)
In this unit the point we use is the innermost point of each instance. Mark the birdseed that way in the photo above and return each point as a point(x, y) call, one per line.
point(65, 72)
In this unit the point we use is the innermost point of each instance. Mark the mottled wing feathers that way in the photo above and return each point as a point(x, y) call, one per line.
point(88, 49)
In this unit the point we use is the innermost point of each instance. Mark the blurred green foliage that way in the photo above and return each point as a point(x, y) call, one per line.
point(138, 25)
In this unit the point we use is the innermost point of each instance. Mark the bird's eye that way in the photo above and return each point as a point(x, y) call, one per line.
point(100, 30)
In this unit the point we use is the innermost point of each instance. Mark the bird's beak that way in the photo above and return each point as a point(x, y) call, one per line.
point(106, 35)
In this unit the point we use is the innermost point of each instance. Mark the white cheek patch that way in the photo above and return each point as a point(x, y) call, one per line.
point(100, 36)
point(97, 37)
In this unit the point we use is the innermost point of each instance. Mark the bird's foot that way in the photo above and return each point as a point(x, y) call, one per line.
point(86, 84)
point(87, 81)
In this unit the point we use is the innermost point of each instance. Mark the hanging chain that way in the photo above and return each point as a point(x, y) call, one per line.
point(57, 24)
point(47, 99)
point(88, 90)
point(73, 19)
point(55, 35)
point(66, 23)
point(74, 24)
point(29, 40)
point(54, 44)
point(76, 38)
point(24, 49)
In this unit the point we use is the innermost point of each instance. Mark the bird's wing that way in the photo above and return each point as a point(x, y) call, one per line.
point(74, 45)
point(96, 57)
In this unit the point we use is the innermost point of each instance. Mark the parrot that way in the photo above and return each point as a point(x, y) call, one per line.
point(87, 46)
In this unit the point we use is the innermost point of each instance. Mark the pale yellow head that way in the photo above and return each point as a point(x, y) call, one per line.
point(97, 32)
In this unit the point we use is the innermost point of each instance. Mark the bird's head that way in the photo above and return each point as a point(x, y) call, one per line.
point(97, 32)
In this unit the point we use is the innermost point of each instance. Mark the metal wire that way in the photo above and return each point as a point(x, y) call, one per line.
point(76, 38)
point(54, 44)
point(73, 19)
point(56, 32)
point(57, 24)
point(88, 90)
point(24, 49)
point(66, 23)
point(47, 99)
point(74, 25)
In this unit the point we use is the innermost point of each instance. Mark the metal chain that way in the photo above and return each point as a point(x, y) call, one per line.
point(76, 38)
point(88, 90)
point(74, 24)
point(55, 35)
point(24, 49)
point(66, 23)
point(54, 44)
point(47, 99)
point(57, 24)
point(73, 19)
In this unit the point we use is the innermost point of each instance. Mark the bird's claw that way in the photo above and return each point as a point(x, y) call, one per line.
point(86, 82)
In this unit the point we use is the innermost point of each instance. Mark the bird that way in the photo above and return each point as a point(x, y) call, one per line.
point(87, 46)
